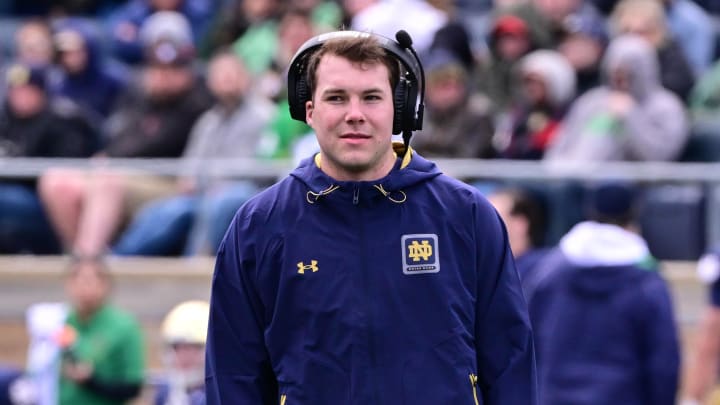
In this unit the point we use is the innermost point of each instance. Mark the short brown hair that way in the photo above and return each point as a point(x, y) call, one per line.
point(360, 50)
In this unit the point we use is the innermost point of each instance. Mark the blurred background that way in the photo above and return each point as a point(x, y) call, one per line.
point(134, 129)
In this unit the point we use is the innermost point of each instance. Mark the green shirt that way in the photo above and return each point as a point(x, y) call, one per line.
point(112, 342)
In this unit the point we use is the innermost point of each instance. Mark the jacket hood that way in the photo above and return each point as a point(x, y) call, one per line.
point(68, 29)
point(635, 55)
point(407, 172)
point(607, 254)
point(555, 71)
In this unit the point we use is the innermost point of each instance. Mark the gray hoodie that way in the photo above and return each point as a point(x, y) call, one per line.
point(656, 128)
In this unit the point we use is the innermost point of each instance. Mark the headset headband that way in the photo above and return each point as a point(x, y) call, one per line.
point(413, 73)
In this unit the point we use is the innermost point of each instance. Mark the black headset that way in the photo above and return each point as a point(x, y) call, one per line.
point(411, 84)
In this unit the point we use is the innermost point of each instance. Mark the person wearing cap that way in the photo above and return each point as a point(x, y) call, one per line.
point(184, 332)
point(128, 25)
point(602, 312)
point(457, 122)
point(34, 124)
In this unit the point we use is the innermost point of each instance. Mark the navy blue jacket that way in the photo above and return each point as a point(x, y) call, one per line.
point(604, 335)
point(398, 291)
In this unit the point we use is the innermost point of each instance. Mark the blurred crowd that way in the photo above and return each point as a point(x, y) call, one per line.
point(543, 80)
point(553, 80)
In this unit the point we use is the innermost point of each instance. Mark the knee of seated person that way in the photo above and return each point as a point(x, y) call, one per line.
point(60, 182)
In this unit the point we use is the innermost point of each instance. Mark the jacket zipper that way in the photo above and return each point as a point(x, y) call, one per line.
point(473, 382)
point(356, 195)
point(283, 398)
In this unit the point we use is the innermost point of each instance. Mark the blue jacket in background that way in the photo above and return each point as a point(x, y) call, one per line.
point(604, 326)
point(398, 291)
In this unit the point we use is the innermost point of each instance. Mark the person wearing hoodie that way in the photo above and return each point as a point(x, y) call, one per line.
point(366, 276)
point(629, 117)
point(85, 75)
point(602, 313)
point(545, 90)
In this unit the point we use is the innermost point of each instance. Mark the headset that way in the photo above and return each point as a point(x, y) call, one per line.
point(409, 93)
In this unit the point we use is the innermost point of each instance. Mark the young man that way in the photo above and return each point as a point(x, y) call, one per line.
point(602, 312)
point(103, 354)
point(366, 276)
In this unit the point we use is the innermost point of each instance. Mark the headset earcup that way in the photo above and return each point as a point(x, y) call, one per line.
point(399, 104)
point(302, 96)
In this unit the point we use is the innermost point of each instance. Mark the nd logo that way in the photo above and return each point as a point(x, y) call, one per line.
point(312, 266)
point(423, 250)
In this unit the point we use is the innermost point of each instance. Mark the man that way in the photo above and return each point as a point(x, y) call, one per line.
point(525, 218)
point(103, 355)
point(602, 314)
point(184, 331)
point(366, 276)
point(34, 124)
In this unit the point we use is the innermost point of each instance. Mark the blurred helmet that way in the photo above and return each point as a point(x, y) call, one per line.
point(186, 323)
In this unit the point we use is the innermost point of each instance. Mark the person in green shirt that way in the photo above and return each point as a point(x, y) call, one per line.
point(103, 355)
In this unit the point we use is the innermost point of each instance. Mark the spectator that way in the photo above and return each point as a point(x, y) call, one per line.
point(32, 45)
point(629, 117)
point(694, 30)
point(457, 122)
point(509, 40)
point(184, 331)
point(525, 218)
point(419, 18)
point(603, 297)
point(33, 124)
point(103, 355)
point(88, 208)
point(235, 18)
point(583, 45)
point(646, 18)
point(126, 23)
point(232, 128)
point(84, 75)
point(545, 90)
point(703, 365)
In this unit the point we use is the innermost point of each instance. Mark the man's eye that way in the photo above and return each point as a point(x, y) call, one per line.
point(334, 99)
point(373, 97)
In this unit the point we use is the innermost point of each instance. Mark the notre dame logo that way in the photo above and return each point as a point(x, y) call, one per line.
point(420, 253)
point(312, 266)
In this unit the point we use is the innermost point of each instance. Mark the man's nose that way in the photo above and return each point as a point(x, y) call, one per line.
point(355, 111)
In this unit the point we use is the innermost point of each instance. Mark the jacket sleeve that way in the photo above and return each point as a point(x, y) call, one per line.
point(238, 368)
point(504, 340)
point(660, 344)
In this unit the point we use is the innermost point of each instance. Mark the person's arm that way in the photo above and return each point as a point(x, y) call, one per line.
point(237, 367)
point(660, 344)
point(658, 131)
point(705, 358)
point(504, 339)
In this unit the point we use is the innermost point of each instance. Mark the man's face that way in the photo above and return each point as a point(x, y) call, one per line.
point(227, 78)
point(86, 288)
point(26, 100)
point(162, 82)
point(352, 115)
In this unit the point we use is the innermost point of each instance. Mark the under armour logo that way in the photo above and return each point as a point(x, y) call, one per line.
point(312, 266)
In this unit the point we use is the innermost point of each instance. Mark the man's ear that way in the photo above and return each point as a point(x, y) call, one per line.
point(308, 112)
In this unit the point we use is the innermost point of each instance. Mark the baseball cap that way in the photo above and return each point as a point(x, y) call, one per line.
point(21, 74)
